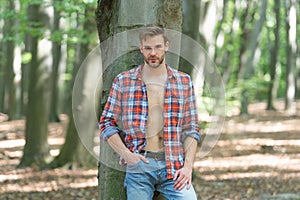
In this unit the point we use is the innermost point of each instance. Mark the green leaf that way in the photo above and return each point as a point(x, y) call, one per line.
point(26, 57)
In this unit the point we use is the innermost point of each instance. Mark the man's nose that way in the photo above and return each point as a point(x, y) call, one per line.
point(152, 51)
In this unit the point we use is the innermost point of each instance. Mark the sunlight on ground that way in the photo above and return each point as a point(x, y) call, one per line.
point(5, 144)
point(240, 144)
point(56, 180)
point(272, 161)
point(263, 127)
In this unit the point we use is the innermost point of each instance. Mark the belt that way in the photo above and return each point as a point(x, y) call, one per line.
point(155, 155)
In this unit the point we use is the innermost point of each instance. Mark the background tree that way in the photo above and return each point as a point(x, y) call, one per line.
point(249, 61)
point(57, 54)
point(274, 81)
point(36, 149)
point(291, 48)
point(190, 27)
point(73, 153)
point(8, 60)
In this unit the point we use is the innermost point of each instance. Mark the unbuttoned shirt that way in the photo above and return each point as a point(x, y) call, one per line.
point(127, 105)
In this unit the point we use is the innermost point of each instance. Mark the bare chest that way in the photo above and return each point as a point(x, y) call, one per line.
point(155, 94)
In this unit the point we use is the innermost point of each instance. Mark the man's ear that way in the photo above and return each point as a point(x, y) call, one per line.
point(166, 46)
point(141, 48)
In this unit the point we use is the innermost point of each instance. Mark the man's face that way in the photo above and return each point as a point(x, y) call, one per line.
point(153, 50)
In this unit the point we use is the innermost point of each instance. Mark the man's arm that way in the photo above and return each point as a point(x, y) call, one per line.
point(184, 175)
point(111, 113)
point(190, 137)
point(109, 130)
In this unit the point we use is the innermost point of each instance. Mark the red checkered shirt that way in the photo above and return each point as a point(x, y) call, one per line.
point(127, 105)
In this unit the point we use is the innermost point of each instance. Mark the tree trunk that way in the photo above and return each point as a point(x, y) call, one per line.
point(36, 147)
point(274, 82)
point(25, 70)
point(224, 61)
point(115, 16)
point(2, 82)
point(298, 72)
point(76, 149)
point(298, 55)
point(219, 31)
point(8, 58)
point(56, 52)
point(244, 37)
point(190, 27)
point(291, 48)
point(209, 16)
point(249, 64)
point(2, 66)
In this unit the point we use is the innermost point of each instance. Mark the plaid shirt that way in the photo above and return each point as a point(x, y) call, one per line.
point(127, 106)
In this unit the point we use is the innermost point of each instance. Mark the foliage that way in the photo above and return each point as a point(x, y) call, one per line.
point(229, 43)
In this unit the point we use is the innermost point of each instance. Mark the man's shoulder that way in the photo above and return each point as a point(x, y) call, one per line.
point(179, 74)
point(131, 73)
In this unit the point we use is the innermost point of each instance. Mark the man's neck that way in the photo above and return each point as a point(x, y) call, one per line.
point(155, 72)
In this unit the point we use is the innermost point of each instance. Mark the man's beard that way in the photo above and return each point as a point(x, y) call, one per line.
point(154, 64)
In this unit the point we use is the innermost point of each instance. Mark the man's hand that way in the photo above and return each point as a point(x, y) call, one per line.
point(130, 158)
point(182, 178)
point(133, 158)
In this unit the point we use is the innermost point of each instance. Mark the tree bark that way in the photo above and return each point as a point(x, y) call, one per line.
point(8, 58)
point(209, 16)
point(224, 61)
point(298, 72)
point(244, 38)
point(219, 31)
point(249, 64)
point(190, 27)
point(298, 57)
point(36, 148)
point(2, 66)
point(75, 151)
point(291, 48)
point(115, 16)
point(273, 87)
point(2, 86)
point(56, 52)
point(25, 70)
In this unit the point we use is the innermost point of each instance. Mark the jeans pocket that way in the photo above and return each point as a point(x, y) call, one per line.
point(135, 168)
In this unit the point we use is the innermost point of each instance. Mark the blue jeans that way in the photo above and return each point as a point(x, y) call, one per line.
point(142, 179)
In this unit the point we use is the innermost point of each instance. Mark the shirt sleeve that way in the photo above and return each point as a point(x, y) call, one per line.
point(190, 116)
point(108, 122)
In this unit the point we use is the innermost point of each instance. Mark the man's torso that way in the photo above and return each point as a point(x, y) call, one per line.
point(155, 94)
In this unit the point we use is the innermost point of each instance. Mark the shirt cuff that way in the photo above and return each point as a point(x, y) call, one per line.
point(109, 131)
point(194, 135)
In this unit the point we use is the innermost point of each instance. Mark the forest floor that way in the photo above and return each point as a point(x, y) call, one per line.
point(256, 157)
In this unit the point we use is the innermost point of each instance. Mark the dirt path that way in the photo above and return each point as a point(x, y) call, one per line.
point(256, 157)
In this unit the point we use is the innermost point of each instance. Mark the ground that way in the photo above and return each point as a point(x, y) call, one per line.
point(255, 157)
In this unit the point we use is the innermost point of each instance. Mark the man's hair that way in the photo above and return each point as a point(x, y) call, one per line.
point(152, 30)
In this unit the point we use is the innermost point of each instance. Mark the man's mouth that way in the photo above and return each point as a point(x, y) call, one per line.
point(153, 59)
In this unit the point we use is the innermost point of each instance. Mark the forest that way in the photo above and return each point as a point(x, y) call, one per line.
point(59, 58)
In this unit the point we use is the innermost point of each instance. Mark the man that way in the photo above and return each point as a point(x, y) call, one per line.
point(155, 105)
